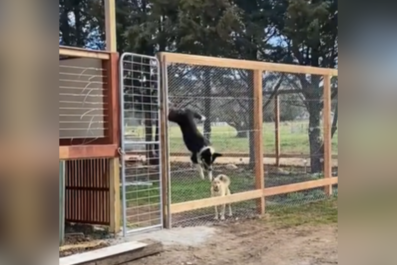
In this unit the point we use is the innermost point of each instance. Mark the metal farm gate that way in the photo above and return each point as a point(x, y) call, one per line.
point(140, 143)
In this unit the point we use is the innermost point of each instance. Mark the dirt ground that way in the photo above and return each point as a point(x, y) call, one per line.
point(256, 243)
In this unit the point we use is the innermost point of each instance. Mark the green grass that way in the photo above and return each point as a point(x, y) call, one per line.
point(315, 213)
point(293, 138)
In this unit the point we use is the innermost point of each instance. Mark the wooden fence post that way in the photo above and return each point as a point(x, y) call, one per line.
point(327, 133)
point(258, 138)
point(114, 192)
point(164, 154)
point(277, 128)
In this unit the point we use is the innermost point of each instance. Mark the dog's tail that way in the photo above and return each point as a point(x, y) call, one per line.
point(225, 179)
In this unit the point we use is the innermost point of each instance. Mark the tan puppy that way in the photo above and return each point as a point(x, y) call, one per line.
point(220, 187)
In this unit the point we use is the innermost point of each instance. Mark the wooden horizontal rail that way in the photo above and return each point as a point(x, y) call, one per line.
point(300, 186)
point(83, 53)
point(87, 151)
point(208, 202)
point(244, 64)
point(247, 155)
point(250, 195)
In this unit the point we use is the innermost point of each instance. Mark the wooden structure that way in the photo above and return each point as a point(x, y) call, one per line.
point(91, 154)
point(260, 193)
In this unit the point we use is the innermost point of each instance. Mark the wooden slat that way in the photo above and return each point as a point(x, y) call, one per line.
point(203, 203)
point(247, 155)
point(245, 64)
point(258, 138)
point(327, 132)
point(250, 195)
point(115, 199)
point(83, 53)
point(299, 186)
point(87, 151)
point(164, 157)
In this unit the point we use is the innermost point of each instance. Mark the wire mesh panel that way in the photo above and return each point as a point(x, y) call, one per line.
point(141, 167)
point(225, 97)
point(82, 107)
point(293, 113)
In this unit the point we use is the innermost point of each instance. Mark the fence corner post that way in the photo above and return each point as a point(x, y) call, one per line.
point(115, 200)
point(164, 145)
point(258, 140)
point(327, 133)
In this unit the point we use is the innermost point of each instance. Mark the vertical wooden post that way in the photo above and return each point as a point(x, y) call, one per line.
point(61, 201)
point(258, 138)
point(327, 132)
point(164, 154)
point(277, 128)
point(115, 200)
point(110, 25)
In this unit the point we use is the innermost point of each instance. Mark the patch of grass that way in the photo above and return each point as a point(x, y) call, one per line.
point(293, 135)
point(315, 213)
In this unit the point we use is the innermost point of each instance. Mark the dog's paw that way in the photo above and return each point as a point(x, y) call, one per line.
point(222, 217)
point(216, 217)
point(230, 215)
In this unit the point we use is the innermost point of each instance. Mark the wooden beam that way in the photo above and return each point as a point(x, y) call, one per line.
point(164, 157)
point(115, 199)
point(247, 155)
point(83, 53)
point(112, 110)
point(209, 202)
point(277, 128)
point(245, 64)
point(110, 25)
point(327, 132)
point(250, 195)
point(299, 186)
point(87, 151)
point(258, 138)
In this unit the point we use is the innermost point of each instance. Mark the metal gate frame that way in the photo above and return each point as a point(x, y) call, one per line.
point(123, 144)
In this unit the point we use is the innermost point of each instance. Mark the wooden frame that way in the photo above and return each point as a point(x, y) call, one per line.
point(260, 193)
point(83, 53)
point(245, 64)
point(87, 151)
point(115, 199)
point(250, 195)
point(247, 155)
point(258, 138)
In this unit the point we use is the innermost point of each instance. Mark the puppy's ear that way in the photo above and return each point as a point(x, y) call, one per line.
point(221, 177)
point(215, 155)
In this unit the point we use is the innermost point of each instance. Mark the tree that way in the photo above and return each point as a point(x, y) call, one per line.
point(310, 31)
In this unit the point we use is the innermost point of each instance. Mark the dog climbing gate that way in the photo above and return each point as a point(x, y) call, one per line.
point(141, 147)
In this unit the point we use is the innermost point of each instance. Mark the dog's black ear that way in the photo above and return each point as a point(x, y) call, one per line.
point(215, 155)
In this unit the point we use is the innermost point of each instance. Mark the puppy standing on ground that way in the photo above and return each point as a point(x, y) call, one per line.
point(219, 188)
point(203, 155)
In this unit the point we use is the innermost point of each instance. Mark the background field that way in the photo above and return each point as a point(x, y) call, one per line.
point(293, 137)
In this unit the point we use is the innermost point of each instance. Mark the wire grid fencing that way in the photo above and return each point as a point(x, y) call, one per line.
point(82, 108)
point(300, 109)
point(225, 97)
point(141, 181)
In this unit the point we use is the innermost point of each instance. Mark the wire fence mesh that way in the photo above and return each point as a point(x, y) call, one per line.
point(225, 97)
point(292, 107)
point(82, 104)
point(140, 142)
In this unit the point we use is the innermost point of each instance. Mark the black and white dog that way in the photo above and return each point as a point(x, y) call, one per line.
point(203, 155)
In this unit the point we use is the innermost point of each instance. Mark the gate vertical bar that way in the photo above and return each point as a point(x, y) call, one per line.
point(122, 145)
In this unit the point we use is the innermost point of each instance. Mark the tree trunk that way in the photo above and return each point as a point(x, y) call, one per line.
point(315, 139)
point(207, 103)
